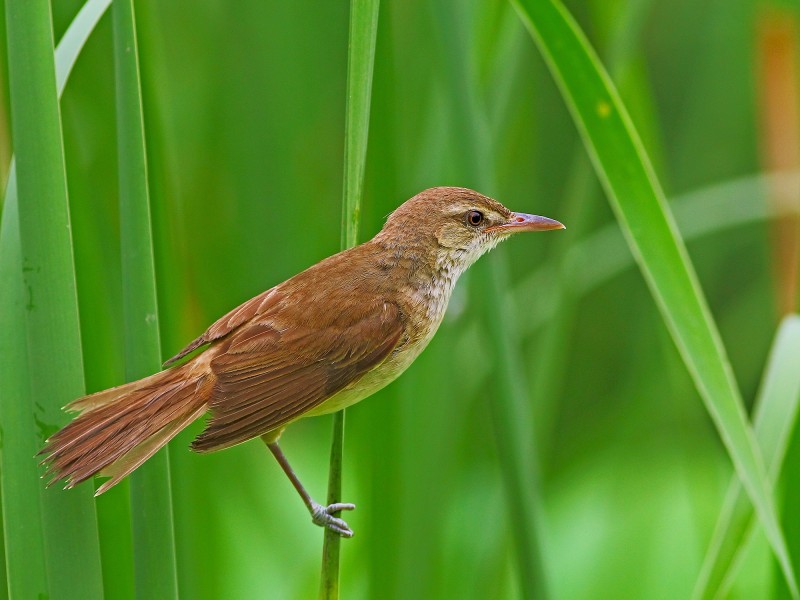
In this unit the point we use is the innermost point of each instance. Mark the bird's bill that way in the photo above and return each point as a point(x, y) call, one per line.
point(523, 222)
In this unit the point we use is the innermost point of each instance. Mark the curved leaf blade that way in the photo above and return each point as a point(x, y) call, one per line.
point(775, 418)
point(603, 255)
point(638, 201)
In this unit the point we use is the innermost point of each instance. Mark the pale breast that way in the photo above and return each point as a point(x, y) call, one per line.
point(425, 306)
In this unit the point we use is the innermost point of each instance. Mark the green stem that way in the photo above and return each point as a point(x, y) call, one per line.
point(151, 494)
point(329, 584)
point(360, 63)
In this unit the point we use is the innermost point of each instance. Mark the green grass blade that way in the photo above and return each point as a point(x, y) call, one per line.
point(23, 535)
point(331, 545)
point(3, 577)
point(53, 333)
point(513, 432)
point(638, 201)
point(24, 538)
point(74, 38)
point(604, 254)
point(775, 417)
point(151, 494)
point(360, 63)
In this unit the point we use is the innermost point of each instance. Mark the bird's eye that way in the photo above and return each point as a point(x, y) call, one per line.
point(474, 218)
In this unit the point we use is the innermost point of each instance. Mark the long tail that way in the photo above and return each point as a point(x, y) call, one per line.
point(118, 429)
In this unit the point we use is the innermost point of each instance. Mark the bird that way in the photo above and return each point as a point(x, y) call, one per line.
point(321, 341)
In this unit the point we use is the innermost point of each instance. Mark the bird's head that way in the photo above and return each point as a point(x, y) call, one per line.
point(458, 225)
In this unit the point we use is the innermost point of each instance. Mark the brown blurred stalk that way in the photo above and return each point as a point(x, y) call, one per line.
point(779, 135)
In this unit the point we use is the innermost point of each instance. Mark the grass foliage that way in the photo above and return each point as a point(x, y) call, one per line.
point(151, 493)
point(577, 429)
point(55, 363)
point(627, 176)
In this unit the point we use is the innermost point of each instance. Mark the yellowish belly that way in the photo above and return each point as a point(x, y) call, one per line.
point(374, 380)
point(435, 298)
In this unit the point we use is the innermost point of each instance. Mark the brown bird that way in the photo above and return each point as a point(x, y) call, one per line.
point(314, 344)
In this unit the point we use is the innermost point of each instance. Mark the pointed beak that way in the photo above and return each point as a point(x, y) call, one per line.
point(522, 222)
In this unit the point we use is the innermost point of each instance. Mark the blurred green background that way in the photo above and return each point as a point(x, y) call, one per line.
point(244, 116)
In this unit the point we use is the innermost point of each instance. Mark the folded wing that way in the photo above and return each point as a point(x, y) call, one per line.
point(272, 371)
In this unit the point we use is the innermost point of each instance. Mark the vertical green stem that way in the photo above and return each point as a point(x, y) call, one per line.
point(3, 577)
point(54, 345)
point(151, 494)
point(329, 583)
point(513, 430)
point(360, 62)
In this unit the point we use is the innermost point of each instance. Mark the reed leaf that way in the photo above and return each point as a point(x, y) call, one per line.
point(636, 196)
point(151, 494)
point(775, 417)
point(75, 37)
point(580, 212)
point(55, 366)
point(24, 538)
point(23, 535)
point(3, 577)
point(604, 254)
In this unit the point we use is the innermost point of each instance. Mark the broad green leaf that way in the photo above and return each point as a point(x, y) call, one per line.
point(624, 24)
point(641, 209)
point(55, 365)
point(24, 539)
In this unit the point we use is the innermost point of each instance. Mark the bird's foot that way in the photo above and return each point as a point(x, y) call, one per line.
point(323, 516)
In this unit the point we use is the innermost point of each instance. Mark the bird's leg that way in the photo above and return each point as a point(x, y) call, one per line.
point(320, 515)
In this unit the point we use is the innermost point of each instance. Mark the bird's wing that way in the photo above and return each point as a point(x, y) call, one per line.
point(236, 318)
point(273, 371)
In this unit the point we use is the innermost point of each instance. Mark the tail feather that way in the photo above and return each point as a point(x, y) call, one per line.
point(98, 399)
point(119, 429)
point(122, 467)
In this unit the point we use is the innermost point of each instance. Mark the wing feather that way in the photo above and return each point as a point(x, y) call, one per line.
point(274, 371)
point(231, 321)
